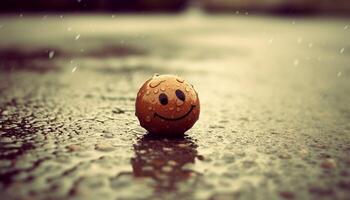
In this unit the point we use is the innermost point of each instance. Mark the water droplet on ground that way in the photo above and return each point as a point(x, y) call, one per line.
point(172, 163)
point(108, 135)
point(328, 164)
point(118, 111)
point(6, 140)
point(5, 112)
point(104, 147)
point(73, 147)
point(148, 119)
point(284, 155)
point(167, 169)
point(287, 195)
point(51, 54)
point(147, 168)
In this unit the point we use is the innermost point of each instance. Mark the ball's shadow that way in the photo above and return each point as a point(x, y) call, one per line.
point(163, 160)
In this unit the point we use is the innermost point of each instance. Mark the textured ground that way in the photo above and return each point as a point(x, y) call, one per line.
point(275, 120)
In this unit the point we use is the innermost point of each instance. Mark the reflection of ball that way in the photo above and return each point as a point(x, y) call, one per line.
point(167, 105)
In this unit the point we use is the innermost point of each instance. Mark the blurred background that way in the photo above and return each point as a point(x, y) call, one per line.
point(265, 6)
point(272, 77)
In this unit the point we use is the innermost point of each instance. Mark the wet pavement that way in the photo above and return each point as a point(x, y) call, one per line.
point(275, 107)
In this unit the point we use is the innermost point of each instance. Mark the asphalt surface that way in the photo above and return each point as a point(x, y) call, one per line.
point(275, 107)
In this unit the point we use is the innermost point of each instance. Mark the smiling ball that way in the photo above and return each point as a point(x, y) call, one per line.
point(167, 105)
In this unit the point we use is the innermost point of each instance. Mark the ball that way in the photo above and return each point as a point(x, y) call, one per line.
point(167, 105)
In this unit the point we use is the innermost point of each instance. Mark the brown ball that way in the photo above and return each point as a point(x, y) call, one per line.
point(167, 105)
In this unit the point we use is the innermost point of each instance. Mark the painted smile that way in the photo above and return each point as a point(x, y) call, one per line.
point(175, 119)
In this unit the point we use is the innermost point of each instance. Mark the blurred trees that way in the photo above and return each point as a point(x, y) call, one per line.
point(92, 5)
point(270, 6)
point(279, 6)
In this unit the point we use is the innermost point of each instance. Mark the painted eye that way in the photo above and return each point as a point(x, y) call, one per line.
point(163, 99)
point(180, 95)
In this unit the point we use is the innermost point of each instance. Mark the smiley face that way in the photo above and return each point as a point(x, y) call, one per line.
point(167, 105)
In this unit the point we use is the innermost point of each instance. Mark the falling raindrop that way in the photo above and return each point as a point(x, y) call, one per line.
point(296, 62)
point(155, 91)
point(339, 74)
point(69, 29)
point(299, 40)
point(148, 119)
point(310, 45)
point(113, 16)
point(342, 50)
point(270, 40)
point(74, 69)
point(346, 27)
point(51, 54)
point(77, 37)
